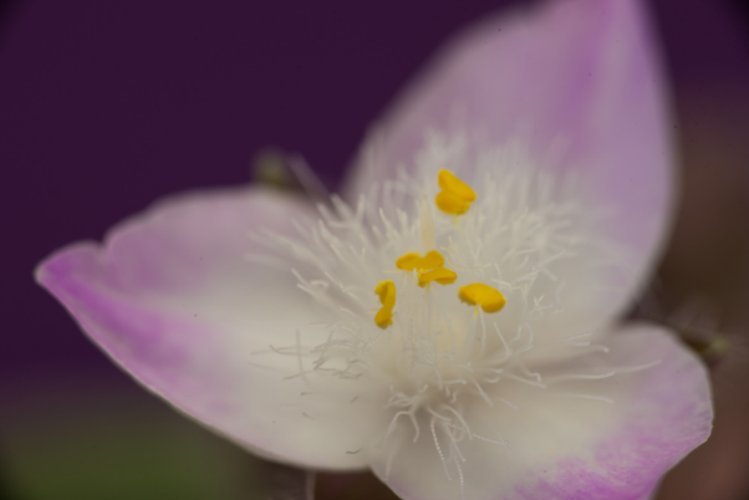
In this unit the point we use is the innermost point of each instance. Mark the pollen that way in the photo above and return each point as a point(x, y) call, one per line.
point(431, 267)
point(455, 196)
point(441, 275)
point(412, 261)
point(386, 291)
point(487, 297)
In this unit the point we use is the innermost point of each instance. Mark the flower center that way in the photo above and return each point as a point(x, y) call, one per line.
point(470, 291)
point(431, 348)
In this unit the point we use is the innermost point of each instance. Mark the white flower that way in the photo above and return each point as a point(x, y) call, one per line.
point(454, 325)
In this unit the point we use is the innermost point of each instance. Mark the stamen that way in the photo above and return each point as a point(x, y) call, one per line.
point(455, 196)
point(443, 276)
point(478, 294)
point(430, 267)
point(413, 261)
point(386, 291)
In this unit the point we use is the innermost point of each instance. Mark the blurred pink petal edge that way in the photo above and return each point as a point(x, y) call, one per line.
point(172, 297)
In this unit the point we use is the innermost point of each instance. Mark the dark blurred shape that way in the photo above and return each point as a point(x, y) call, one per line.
point(708, 256)
point(742, 6)
point(90, 441)
point(362, 486)
point(7, 9)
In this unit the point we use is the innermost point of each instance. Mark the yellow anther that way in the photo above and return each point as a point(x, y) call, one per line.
point(455, 196)
point(431, 267)
point(450, 182)
point(441, 275)
point(413, 261)
point(478, 294)
point(386, 291)
point(451, 204)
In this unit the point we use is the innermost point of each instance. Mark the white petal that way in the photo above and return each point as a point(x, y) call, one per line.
point(565, 446)
point(173, 299)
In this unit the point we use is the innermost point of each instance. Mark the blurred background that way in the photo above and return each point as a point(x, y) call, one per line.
point(107, 106)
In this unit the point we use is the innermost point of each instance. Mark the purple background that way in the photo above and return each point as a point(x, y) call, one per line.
point(107, 106)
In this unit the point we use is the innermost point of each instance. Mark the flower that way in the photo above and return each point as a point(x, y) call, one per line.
point(453, 322)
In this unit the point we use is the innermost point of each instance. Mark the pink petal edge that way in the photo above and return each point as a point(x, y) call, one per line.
point(171, 298)
point(660, 415)
point(670, 416)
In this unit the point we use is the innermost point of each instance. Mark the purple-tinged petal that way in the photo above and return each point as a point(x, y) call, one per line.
point(577, 83)
point(559, 442)
point(173, 299)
